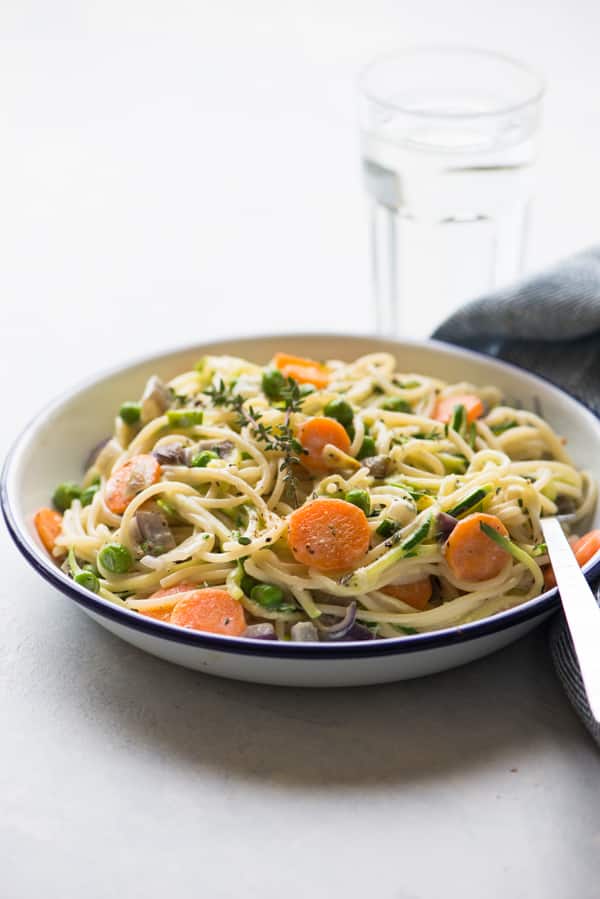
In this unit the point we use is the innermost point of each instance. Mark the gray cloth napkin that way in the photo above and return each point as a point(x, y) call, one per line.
point(548, 324)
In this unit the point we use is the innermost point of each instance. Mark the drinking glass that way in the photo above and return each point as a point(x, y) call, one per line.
point(448, 142)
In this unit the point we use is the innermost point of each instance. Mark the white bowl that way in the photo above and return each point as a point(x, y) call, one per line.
point(54, 446)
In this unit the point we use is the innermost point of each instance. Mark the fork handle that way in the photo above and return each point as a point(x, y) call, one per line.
point(580, 608)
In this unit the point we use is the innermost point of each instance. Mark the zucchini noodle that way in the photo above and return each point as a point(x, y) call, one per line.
point(223, 471)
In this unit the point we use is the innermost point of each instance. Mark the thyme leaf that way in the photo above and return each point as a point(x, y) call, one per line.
point(275, 438)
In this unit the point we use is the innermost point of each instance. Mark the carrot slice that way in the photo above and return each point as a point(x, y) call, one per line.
point(471, 554)
point(584, 549)
point(314, 435)
point(587, 547)
point(212, 610)
point(130, 479)
point(446, 405)
point(329, 534)
point(48, 524)
point(163, 613)
point(416, 594)
point(305, 371)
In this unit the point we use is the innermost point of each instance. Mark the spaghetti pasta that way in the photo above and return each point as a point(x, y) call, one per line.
point(206, 482)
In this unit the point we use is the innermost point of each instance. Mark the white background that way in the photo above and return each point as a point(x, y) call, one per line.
point(174, 171)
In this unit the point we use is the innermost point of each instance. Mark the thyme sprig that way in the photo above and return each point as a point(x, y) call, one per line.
point(275, 438)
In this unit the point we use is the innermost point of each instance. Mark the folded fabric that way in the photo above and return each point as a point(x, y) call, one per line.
point(569, 291)
point(548, 324)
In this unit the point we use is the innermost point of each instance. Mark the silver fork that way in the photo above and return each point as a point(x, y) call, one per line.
point(580, 608)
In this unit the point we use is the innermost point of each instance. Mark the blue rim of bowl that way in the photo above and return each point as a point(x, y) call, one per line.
point(538, 606)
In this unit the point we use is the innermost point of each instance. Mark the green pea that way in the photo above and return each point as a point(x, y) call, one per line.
point(361, 499)
point(248, 583)
point(341, 411)
point(185, 418)
point(88, 494)
point(396, 404)
point(201, 460)
point(267, 595)
point(115, 557)
point(367, 449)
point(130, 413)
point(273, 383)
point(88, 580)
point(65, 494)
point(245, 541)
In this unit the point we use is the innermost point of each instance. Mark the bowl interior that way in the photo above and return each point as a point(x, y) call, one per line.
point(56, 444)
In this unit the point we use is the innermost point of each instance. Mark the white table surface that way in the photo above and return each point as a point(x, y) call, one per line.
point(182, 170)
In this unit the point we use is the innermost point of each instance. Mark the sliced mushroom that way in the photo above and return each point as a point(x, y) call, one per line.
point(171, 454)
point(178, 453)
point(156, 399)
point(264, 631)
point(379, 466)
point(224, 449)
point(155, 537)
point(304, 632)
point(565, 505)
